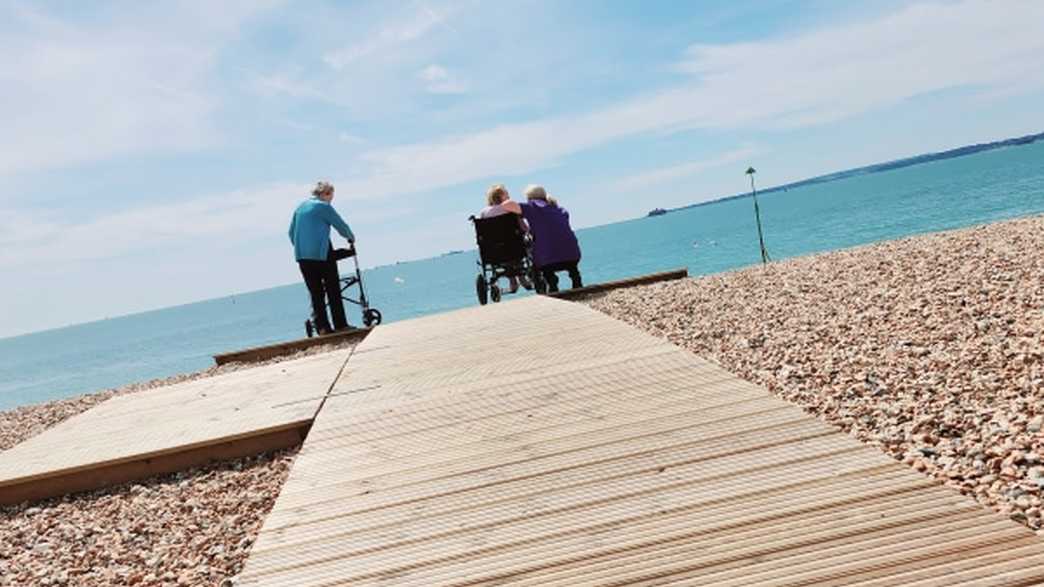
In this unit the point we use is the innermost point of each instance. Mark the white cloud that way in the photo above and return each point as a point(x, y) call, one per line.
point(671, 173)
point(350, 139)
point(282, 83)
point(297, 125)
point(29, 239)
point(811, 79)
point(440, 81)
point(408, 28)
point(246, 214)
point(842, 71)
point(132, 83)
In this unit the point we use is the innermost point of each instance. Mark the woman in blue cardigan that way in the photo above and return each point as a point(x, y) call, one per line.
point(310, 235)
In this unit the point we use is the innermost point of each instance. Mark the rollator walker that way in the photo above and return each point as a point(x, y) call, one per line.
point(370, 316)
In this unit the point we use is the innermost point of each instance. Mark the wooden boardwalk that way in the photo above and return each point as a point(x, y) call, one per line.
point(171, 428)
point(538, 442)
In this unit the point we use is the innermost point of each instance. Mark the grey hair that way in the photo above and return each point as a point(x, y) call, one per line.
point(537, 192)
point(323, 187)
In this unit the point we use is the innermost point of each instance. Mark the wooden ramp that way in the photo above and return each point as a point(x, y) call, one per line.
point(571, 294)
point(538, 442)
point(171, 428)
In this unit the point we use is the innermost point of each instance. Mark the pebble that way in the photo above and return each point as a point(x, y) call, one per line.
point(1035, 424)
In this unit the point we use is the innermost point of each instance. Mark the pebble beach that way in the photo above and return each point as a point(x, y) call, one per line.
point(930, 348)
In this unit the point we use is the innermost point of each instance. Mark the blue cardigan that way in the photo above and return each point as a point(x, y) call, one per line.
point(310, 229)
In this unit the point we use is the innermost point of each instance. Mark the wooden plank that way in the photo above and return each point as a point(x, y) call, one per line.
point(848, 561)
point(939, 569)
point(569, 294)
point(537, 442)
point(281, 349)
point(177, 426)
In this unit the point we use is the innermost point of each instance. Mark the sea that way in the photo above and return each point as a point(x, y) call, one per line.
point(944, 194)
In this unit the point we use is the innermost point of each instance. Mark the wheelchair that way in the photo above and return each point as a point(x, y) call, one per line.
point(370, 316)
point(504, 252)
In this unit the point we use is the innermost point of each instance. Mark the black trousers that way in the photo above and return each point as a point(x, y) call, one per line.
point(551, 279)
point(322, 278)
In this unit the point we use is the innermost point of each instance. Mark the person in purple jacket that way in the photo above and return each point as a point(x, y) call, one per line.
point(555, 247)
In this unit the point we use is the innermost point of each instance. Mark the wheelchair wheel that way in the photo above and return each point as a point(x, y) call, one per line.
point(372, 317)
point(494, 293)
point(309, 329)
point(480, 288)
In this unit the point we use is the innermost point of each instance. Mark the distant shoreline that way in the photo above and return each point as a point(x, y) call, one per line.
point(879, 167)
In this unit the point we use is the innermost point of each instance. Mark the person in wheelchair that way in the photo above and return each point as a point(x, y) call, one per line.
point(499, 203)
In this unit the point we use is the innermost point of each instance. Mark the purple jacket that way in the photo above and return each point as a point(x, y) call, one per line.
point(553, 239)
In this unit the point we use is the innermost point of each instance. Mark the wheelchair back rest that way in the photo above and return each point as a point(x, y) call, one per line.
point(500, 239)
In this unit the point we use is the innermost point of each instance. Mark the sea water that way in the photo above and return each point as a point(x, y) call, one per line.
point(952, 193)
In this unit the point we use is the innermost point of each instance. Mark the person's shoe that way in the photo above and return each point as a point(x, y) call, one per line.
point(578, 281)
point(552, 284)
point(526, 282)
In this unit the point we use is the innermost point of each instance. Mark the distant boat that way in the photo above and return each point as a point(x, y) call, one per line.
point(657, 212)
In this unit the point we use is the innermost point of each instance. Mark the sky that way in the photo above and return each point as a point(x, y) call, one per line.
point(151, 153)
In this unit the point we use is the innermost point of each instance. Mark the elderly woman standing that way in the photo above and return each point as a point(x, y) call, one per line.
point(555, 247)
point(310, 235)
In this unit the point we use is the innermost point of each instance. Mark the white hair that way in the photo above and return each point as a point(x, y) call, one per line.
point(321, 188)
point(537, 192)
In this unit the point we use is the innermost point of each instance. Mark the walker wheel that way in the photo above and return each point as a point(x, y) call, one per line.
point(494, 293)
point(371, 317)
point(480, 289)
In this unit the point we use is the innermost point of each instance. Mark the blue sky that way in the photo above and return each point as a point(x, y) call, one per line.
point(152, 153)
